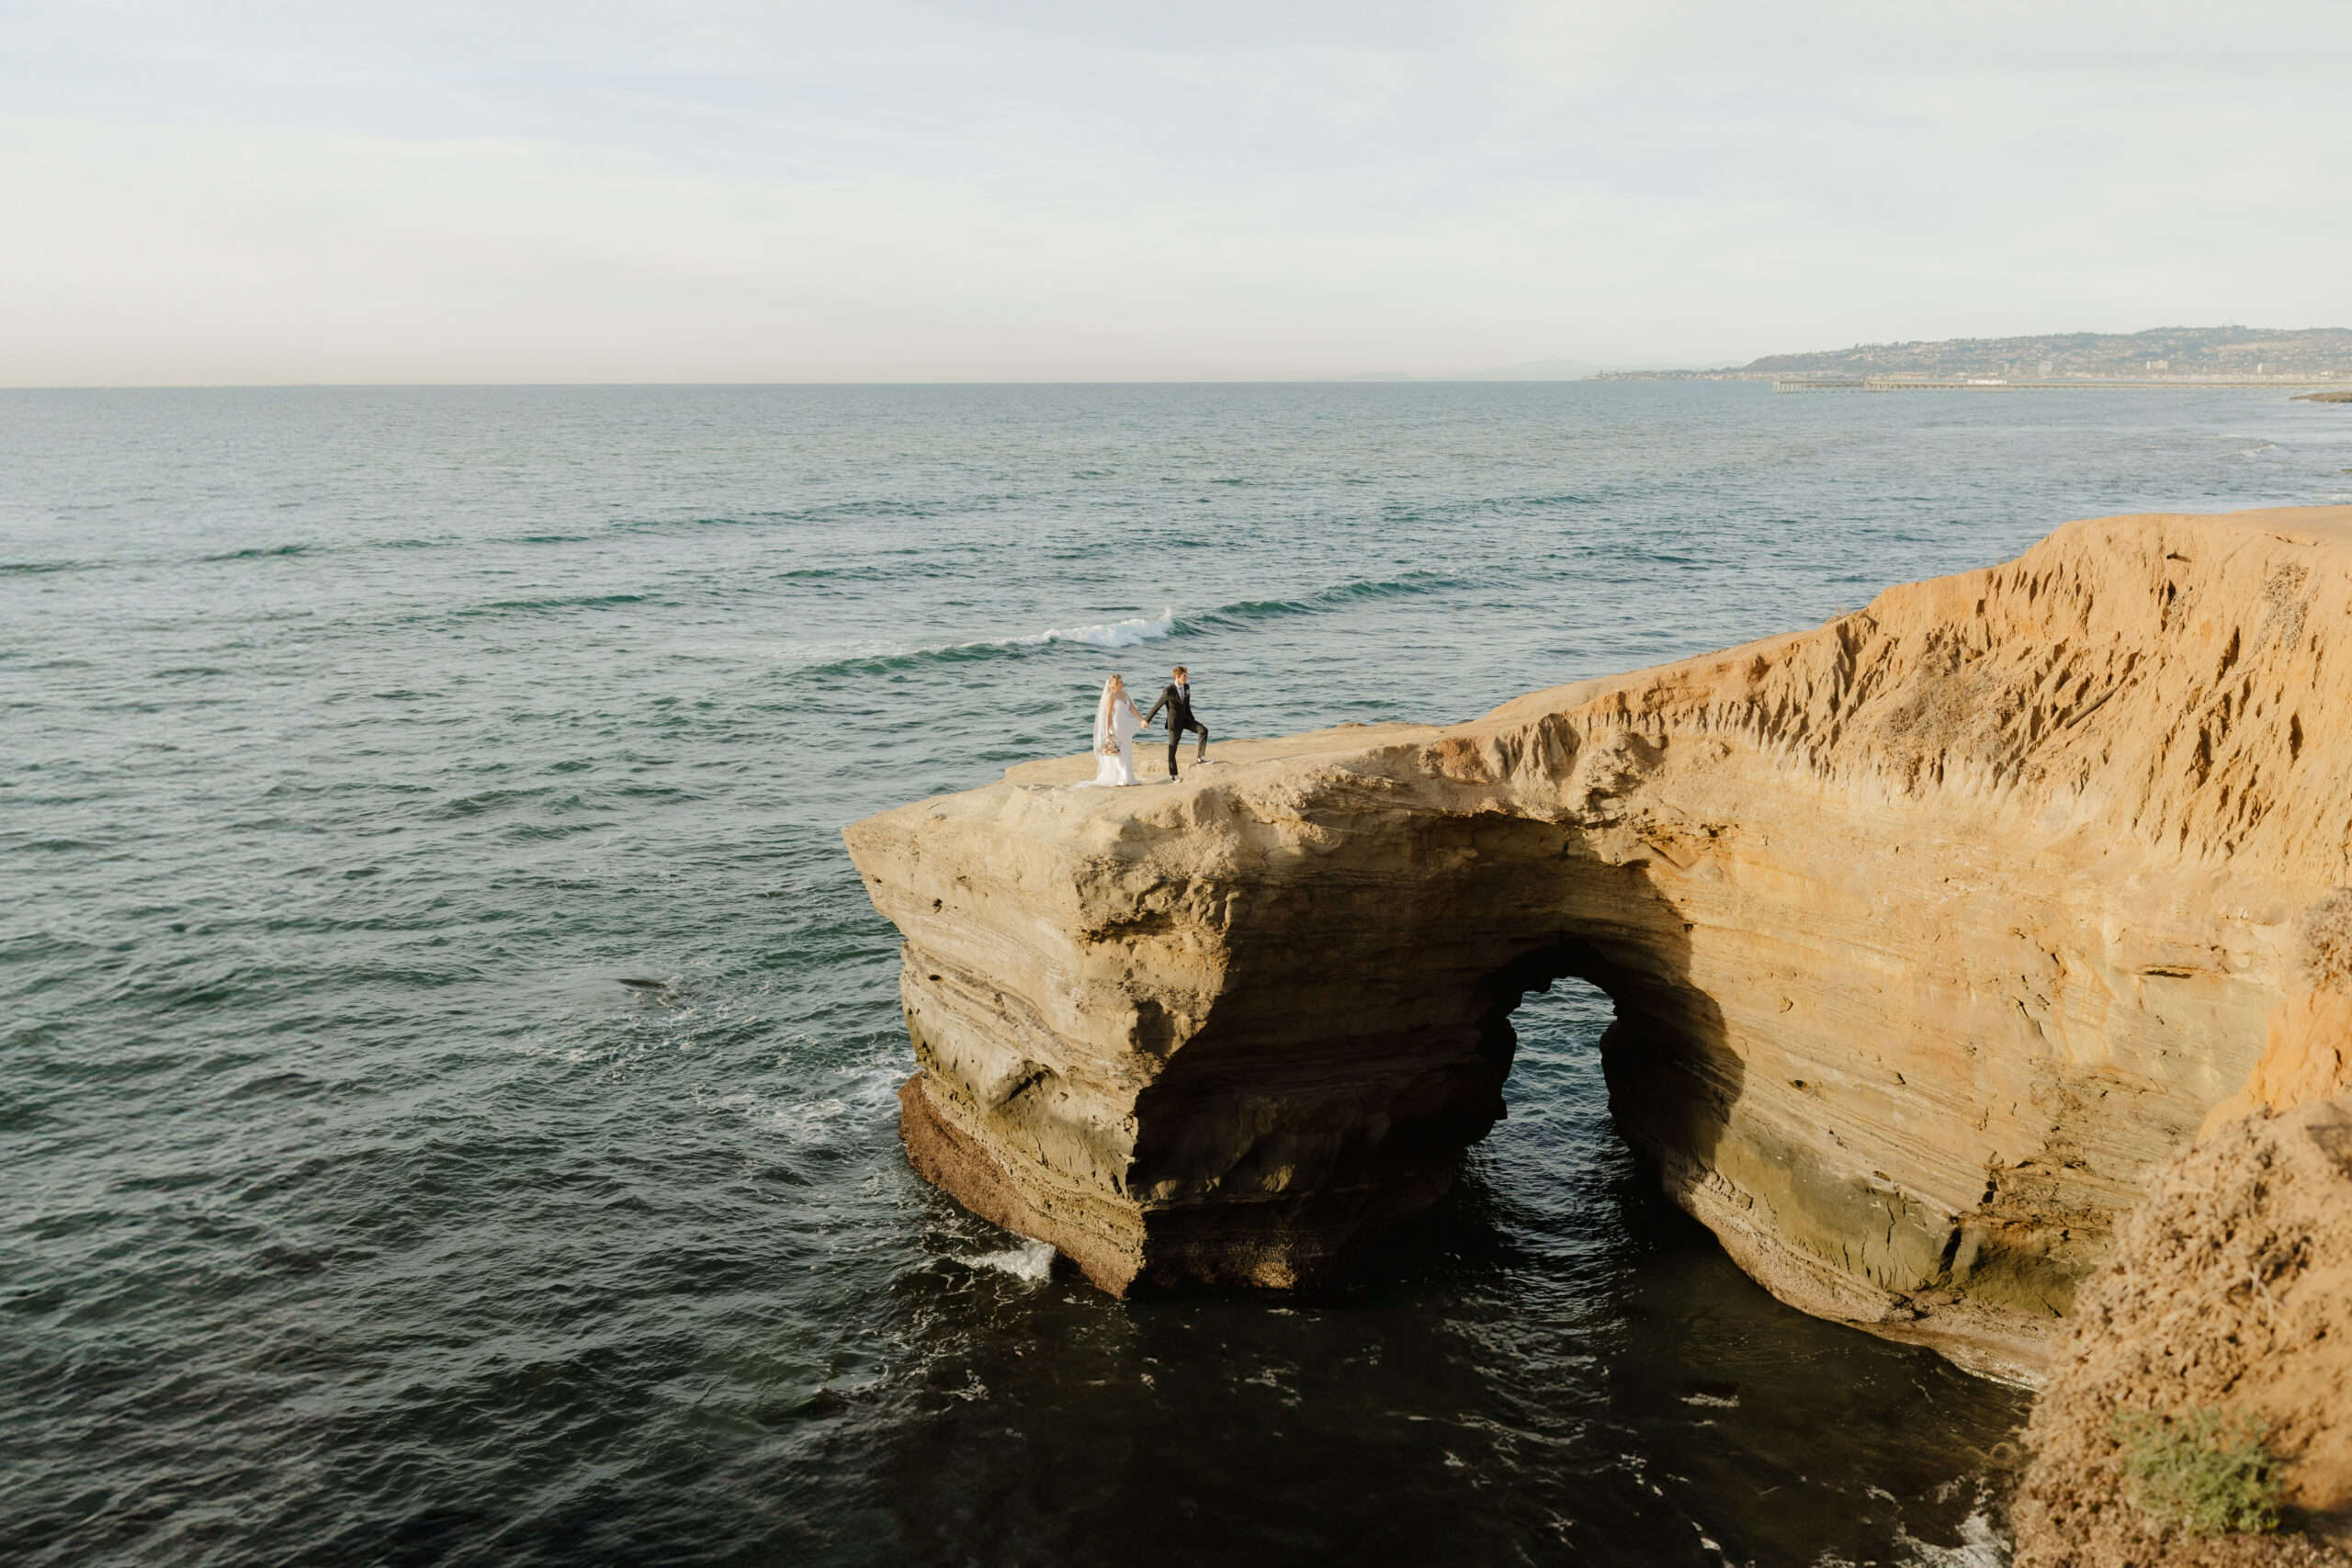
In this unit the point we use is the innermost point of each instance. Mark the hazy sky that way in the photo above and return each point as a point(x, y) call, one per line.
point(884, 191)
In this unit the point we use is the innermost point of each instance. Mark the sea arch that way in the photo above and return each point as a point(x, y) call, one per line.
point(1931, 932)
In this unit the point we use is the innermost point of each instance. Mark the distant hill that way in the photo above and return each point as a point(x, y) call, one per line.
point(2159, 351)
point(2171, 351)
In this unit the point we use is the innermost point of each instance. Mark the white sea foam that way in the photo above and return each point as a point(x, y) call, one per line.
point(1981, 1546)
point(1033, 1261)
point(1128, 633)
point(1115, 633)
point(1133, 632)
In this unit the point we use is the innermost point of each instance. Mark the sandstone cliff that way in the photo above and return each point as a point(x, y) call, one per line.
point(2230, 1290)
point(1931, 933)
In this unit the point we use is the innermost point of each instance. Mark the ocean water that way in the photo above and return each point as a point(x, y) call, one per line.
point(446, 1061)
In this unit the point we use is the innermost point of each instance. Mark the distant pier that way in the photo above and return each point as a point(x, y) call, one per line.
point(2046, 384)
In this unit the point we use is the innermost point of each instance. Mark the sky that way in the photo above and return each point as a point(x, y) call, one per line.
point(504, 191)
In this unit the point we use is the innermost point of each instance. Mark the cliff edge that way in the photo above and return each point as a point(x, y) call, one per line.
point(1932, 932)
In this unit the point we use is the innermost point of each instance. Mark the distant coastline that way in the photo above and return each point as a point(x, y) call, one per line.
point(2159, 355)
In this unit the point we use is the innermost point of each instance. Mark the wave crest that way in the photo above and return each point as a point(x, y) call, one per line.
point(1115, 633)
point(866, 658)
point(1031, 1262)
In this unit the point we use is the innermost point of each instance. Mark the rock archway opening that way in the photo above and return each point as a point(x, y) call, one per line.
point(1601, 1048)
point(1558, 1147)
point(1553, 1169)
point(1559, 1030)
point(1651, 1032)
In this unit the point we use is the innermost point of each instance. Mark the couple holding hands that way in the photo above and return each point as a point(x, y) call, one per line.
point(1116, 725)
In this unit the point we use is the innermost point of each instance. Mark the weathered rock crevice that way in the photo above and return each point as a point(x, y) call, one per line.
point(1931, 932)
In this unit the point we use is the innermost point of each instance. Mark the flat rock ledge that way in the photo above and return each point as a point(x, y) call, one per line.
point(1932, 932)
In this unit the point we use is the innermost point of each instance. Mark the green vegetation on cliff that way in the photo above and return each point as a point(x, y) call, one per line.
point(2203, 1471)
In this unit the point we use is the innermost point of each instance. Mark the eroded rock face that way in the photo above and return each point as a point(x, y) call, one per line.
point(1931, 933)
point(2229, 1289)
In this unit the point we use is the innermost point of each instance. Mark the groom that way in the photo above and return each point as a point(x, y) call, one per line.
point(1177, 698)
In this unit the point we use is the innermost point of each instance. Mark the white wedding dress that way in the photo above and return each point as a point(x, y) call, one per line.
point(1115, 723)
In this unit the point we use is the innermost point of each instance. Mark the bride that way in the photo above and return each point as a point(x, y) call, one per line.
point(1115, 724)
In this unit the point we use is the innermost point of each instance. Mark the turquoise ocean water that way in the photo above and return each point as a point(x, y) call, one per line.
point(447, 1061)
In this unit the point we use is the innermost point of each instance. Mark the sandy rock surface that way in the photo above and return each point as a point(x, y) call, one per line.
point(1932, 932)
point(2229, 1289)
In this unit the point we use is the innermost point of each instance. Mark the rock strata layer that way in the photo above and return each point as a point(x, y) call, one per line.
point(1931, 933)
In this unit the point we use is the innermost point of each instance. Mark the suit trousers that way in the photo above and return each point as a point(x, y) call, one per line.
point(1176, 738)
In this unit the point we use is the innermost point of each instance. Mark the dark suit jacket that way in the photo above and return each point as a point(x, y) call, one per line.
point(1178, 701)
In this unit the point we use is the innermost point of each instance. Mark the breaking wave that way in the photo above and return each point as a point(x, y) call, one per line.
point(1033, 1261)
point(1114, 633)
point(1980, 1546)
point(1134, 631)
point(1320, 602)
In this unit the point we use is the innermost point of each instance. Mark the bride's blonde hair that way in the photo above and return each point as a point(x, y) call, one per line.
point(1116, 683)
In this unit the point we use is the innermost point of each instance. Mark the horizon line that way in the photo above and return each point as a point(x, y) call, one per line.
point(1352, 380)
